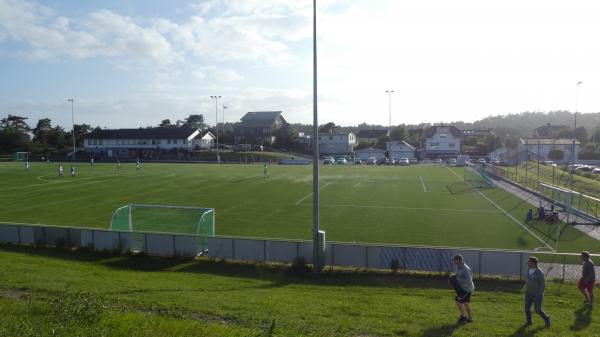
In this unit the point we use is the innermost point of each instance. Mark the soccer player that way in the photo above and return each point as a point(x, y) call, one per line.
point(72, 171)
point(60, 170)
point(464, 287)
point(118, 165)
point(588, 279)
point(92, 161)
point(265, 172)
point(534, 291)
point(137, 166)
point(27, 165)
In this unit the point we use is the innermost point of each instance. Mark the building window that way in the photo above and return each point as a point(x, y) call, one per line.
point(451, 145)
point(330, 138)
point(443, 135)
point(95, 142)
point(89, 142)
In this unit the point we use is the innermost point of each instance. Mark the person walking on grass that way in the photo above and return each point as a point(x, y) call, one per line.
point(588, 279)
point(464, 287)
point(265, 171)
point(534, 291)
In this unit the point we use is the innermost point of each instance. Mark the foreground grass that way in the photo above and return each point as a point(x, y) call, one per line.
point(47, 292)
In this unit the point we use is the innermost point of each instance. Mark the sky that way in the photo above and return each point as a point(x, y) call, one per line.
point(135, 63)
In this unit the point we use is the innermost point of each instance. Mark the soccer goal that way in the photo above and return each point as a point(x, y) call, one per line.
point(477, 176)
point(164, 219)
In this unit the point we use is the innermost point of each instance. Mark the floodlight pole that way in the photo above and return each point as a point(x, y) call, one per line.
point(572, 162)
point(389, 92)
point(73, 125)
point(315, 141)
point(216, 98)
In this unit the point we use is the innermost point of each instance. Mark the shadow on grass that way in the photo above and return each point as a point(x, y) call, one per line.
point(522, 331)
point(278, 274)
point(444, 330)
point(583, 318)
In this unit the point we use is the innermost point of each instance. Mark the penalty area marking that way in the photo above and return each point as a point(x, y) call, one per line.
point(423, 184)
point(507, 214)
point(311, 193)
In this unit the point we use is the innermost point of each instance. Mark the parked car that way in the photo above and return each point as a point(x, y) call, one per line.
point(372, 161)
point(413, 161)
point(341, 161)
point(495, 162)
point(584, 168)
point(403, 162)
point(451, 162)
point(357, 161)
point(329, 161)
point(481, 161)
point(596, 170)
point(382, 161)
point(437, 161)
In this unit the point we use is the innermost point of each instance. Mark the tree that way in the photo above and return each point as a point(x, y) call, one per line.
point(41, 132)
point(15, 122)
point(166, 123)
point(329, 127)
point(194, 121)
point(381, 142)
point(80, 131)
point(399, 133)
point(581, 134)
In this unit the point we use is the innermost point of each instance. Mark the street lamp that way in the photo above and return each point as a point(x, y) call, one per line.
point(389, 92)
point(316, 255)
point(216, 98)
point(73, 125)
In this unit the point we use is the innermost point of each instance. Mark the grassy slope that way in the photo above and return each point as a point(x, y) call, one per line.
point(159, 297)
point(364, 204)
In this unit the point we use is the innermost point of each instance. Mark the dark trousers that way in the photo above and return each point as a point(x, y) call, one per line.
point(536, 300)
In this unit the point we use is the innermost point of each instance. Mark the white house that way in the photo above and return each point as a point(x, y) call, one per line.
point(132, 143)
point(203, 142)
point(337, 143)
point(442, 140)
point(365, 154)
point(400, 149)
point(543, 146)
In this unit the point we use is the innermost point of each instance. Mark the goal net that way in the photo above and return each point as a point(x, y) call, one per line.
point(579, 204)
point(164, 219)
point(477, 176)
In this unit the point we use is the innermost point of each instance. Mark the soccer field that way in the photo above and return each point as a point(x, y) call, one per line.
point(417, 205)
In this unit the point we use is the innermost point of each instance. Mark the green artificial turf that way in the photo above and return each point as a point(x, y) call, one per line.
point(50, 292)
point(417, 205)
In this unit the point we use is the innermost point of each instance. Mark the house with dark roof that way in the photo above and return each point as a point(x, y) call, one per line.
point(371, 135)
point(134, 143)
point(262, 127)
point(442, 140)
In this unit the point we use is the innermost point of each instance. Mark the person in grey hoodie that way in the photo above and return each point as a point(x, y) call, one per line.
point(588, 279)
point(534, 291)
point(463, 285)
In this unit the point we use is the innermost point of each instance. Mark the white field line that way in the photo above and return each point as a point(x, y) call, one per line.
point(508, 215)
point(423, 184)
point(406, 208)
point(311, 193)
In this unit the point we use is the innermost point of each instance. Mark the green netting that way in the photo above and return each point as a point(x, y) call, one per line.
point(164, 219)
point(477, 176)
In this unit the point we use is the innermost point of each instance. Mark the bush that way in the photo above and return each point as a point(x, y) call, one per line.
point(299, 266)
